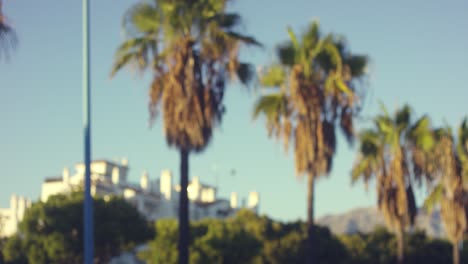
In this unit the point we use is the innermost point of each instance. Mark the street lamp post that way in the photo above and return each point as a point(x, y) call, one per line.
point(88, 200)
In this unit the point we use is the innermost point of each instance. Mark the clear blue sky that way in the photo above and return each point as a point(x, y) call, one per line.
point(419, 56)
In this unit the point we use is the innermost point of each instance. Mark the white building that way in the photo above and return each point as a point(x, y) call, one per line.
point(11, 217)
point(154, 198)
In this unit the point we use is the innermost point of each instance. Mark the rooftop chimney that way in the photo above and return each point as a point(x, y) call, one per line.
point(165, 184)
point(144, 181)
point(116, 176)
point(66, 175)
point(233, 200)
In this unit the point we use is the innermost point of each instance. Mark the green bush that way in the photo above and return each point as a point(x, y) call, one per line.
point(52, 232)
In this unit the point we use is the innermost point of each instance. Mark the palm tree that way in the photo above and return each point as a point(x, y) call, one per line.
point(191, 49)
point(311, 91)
point(8, 38)
point(383, 156)
point(449, 175)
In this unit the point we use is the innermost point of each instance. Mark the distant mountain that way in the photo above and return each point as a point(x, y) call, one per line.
point(366, 219)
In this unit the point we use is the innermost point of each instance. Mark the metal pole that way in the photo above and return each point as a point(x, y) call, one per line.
point(88, 200)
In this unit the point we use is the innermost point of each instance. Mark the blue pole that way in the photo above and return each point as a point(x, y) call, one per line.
point(88, 200)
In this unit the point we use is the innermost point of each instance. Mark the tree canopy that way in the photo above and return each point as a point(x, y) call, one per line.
point(191, 49)
point(52, 232)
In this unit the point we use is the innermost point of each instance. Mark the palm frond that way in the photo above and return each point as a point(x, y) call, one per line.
point(293, 39)
point(383, 108)
point(244, 38)
point(287, 131)
point(402, 117)
point(433, 198)
point(343, 87)
point(334, 56)
point(192, 50)
point(412, 208)
point(155, 94)
point(462, 145)
point(123, 61)
point(370, 144)
point(421, 134)
point(311, 36)
point(385, 126)
point(287, 54)
point(142, 18)
point(442, 132)
point(357, 64)
point(346, 124)
point(274, 76)
point(226, 20)
point(462, 149)
point(361, 169)
point(136, 50)
point(369, 135)
point(245, 73)
point(270, 105)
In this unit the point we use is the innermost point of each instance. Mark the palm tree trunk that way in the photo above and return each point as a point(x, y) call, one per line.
point(456, 253)
point(310, 253)
point(400, 245)
point(184, 231)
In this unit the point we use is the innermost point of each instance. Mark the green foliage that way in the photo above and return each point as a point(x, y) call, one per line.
point(357, 247)
point(421, 134)
point(271, 106)
point(286, 54)
point(329, 248)
point(370, 151)
point(144, 18)
point(434, 197)
point(191, 49)
point(357, 64)
point(226, 242)
point(214, 241)
point(402, 117)
point(248, 238)
point(423, 250)
point(12, 251)
point(274, 77)
point(288, 249)
point(245, 73)
point(462, 147)
point(163, 248)
point(379, 246)
point(245, 238)
point(52, 232)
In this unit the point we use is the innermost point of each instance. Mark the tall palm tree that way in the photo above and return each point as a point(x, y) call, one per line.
point(8, 37)
point(383, 156)
point(449, 175)
point(191, 49)
point(311, 91)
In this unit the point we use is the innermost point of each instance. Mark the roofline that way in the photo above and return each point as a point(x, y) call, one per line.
point(53, 179)
point(104, 160)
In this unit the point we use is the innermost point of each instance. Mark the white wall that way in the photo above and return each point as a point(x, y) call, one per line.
point(208, 195)
point(8, 224)
point(165, 184)
point(11, 217)
point(52, 188)
point(114, 177)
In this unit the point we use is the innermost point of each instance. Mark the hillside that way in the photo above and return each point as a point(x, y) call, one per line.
point(366, 219)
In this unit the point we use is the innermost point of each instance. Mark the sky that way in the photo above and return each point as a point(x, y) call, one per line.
point(418, 56)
